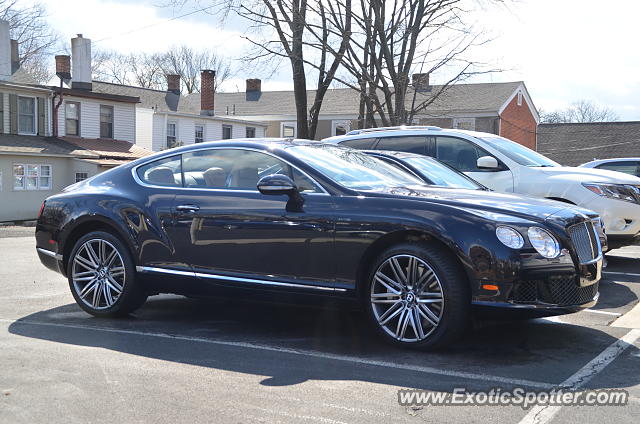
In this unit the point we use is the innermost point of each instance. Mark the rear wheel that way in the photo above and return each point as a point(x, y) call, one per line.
point(102, 276)
point(418, 296)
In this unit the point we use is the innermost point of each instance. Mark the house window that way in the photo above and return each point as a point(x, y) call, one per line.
point(340, 127)
point(288, 131)
point(81, 176)
point(31, 177)
point(26, 115)
point(464, 123)
point(106, 121)
point(227, 132)
point(171, 134)
point(72, 118)
point(199, 133)
point(251, 132)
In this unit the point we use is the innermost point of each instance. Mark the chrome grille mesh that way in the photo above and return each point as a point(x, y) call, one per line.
point(585, 241)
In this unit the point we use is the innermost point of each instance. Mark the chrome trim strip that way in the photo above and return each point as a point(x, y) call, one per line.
point(165, 271)
point(134, 172)
point(55, 255)
point(238, 279)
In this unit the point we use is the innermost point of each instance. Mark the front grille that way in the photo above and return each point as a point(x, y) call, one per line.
point(585, 241)
point(557, 291)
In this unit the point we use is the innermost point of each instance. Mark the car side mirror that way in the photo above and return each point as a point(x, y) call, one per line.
point(488, 162)
point(278, 184)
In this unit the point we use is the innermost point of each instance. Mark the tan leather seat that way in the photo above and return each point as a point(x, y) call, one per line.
point(161, 175)
point(215, 177)
point(244, 178)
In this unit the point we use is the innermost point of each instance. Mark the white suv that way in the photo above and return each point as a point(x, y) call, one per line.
point(504, 165)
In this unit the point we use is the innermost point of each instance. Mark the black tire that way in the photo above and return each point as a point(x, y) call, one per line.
point(453, 312)
point(132, 295)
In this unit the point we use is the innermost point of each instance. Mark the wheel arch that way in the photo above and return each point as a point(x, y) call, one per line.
point(397, 237)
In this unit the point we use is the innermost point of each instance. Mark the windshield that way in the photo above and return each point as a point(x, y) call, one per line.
point(353, 169)
point(518, 152)
point(441, 174)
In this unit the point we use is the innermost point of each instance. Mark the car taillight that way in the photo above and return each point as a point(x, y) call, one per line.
point(41, 208)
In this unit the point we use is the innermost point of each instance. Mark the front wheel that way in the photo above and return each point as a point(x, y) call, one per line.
point(102, 276)
point(418, 296)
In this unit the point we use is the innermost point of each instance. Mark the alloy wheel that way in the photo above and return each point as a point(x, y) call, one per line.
point(407, 298)
point(98, 274)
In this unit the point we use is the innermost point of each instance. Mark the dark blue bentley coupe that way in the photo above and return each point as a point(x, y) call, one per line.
point(308, 217)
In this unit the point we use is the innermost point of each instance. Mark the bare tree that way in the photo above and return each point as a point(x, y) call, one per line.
point(188, 62)
point(580, 111)
point(36, 39)
point(148, 70)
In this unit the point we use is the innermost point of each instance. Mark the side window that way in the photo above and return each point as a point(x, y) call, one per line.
point(163, 172)
point(237, 169)
point(412, 144)
point(628, 167)
point(359, 143)
point(458, 153)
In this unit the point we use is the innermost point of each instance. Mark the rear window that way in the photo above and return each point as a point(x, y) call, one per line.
point(409, 144)
point(163, 172)
point(359, 143)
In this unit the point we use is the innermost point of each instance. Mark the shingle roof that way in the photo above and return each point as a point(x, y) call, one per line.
point(36, 145)
point(575, 144)
point(481, 97)
point(110, 149)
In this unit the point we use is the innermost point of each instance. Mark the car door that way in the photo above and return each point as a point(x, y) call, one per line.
point(463, 155)
point(229, 228)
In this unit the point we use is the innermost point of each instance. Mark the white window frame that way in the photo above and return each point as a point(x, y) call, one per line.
point(175, 132)
point(195, 132)
point(113, 121)
point(35, 115)
point(519, 98)
point(85, 173)
point(458, 121)
point(224, 126)
point(255, 132)
point(342, 123)
point(293, 124)
point(78, 105)
point(38, 187)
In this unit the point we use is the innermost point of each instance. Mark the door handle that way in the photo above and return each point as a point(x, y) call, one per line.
point(187, 208)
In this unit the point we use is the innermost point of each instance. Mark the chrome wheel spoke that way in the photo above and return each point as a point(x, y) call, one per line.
point(87, 264)
point(96, 295)
point(93, 256)
point(87, 289)
point(406, 292)
point(114, 284)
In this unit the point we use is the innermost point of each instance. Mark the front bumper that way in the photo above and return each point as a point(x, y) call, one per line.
point(621, 219)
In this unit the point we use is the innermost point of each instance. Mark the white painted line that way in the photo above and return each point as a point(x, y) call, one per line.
point(595, 311)
point(629, 320)
point(543, 414)
point(630, 274)
point(309, 353)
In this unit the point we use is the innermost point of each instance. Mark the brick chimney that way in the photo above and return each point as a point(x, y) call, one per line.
point(254, 84)
point(421, 82)
point(207, 92)
point(63, 66)
point(173, 83)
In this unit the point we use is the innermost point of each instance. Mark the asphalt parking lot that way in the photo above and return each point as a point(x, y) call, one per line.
point(242, 360)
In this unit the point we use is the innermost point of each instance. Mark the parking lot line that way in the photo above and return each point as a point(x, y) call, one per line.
point(310, 353)
point(540, 414)
point(595, 311)
point(629, 320)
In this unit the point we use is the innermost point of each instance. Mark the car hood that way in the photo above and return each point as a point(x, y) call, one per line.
point(590, 175)
point(503, 203)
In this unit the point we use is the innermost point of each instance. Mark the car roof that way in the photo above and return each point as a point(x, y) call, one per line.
point(396, 154)
point(601, 161)
point(403, 130)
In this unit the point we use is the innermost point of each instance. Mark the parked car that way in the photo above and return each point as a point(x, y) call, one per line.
point(629, 166)
point(506, 166)
point(430, 170)
point(309, 217)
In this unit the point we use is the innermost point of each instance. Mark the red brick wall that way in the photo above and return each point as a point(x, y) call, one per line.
point(518, 124)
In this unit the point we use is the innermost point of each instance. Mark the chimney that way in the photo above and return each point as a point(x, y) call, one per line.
point(15, 56)
point(81, 60)
point(207, 92)
point(63, 66)
point(421, 82)
point(253, 90)
point(5, 51)
point(173, 83)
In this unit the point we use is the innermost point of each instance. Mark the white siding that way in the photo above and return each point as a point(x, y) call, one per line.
point(144, 127)
point(124, 119)
point(159, 131)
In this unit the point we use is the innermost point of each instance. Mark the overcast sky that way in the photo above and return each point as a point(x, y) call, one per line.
point(564, 50)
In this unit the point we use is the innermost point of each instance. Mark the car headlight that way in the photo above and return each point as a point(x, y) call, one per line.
point(628, 193)
point(509, 237)
point(543, 242)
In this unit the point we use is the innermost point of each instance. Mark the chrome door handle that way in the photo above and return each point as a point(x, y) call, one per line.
point(187, 208)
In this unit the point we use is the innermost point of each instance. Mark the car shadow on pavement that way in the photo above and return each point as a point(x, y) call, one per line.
point(614, 295)
point(288, 344)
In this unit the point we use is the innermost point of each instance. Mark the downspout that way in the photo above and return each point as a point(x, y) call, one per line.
point(55, 110)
